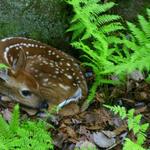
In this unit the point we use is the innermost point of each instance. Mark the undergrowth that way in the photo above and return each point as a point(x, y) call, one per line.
point(91, 24)
point(106, 49)
point(17, 135)
point(136, 46)
point(134, 124)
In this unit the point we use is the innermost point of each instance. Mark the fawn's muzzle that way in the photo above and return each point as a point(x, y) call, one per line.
point(43, 105)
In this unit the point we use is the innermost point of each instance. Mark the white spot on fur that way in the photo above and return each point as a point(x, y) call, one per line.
point(68, 76)
point(74, 84)
point(56, 72)
point(5, 53)
point(64, 86)
point(27, 52)
point(45, 80)
point(57, 56)
point(68, 64)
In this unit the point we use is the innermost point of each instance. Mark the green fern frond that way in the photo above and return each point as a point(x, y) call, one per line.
point(24, 135)
point(118, 110)
point(112, 27)
point(148, 14)
point(105, 7)
point(86, 49)
point(131, 45)
point(14, 123)
point(77, 26)
point(106, 18)
point(145, 25)
point(86, 35)
point(134, 124)
point(114, 40)
point(130, 145)
point(92, 61)
point(139, 35)
point(4, 128)
point(3, 66)
point(86, 19)
point(139, 47)
point(93, 89)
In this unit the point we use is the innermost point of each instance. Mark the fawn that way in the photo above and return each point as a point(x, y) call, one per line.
point(39, 76)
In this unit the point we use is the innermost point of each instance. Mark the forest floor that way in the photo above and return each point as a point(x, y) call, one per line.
point(98, 127)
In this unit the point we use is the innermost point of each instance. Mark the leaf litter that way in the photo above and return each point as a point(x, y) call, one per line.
point(97, 128)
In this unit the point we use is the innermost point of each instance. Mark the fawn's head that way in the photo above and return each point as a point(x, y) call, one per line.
point(21, 86)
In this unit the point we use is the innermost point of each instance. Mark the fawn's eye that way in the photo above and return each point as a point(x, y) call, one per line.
point(26, 93)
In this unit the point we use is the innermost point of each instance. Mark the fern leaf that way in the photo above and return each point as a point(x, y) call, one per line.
point(111, 82)
point(3, 66)
point(145, 25)
point(2, 145)
point(136, 127)
point(86, 49)
point(148, 13)
point(77, 29)
point(144, 127)
point(105, 7)
point(91, 61)
point(129, 145)
point(114, 40)
point(141, 137)
point(86, 35)
point(14, 123)
point(93, 89)
point(131, 45)
point(140, 36)
point(103, 19)
point(4, 128)
point(77, 26)
point(112, 27)
point(75, 19)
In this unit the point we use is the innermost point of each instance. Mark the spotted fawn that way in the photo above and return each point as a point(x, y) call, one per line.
point(38, 75)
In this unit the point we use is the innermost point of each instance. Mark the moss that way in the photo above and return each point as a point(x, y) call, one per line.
point(44, 20)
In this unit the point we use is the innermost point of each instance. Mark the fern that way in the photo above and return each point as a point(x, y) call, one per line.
point(94, 32)
point(139, 45)
point(3, 66)
point(134, 124)
point(23, 135)
point(14, 123)
point(89, 15)
point(130, 145)
point(92, 22)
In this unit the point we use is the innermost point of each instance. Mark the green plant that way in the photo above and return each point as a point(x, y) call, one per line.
point(3, 66)
point(134, 124)
point(136, 47)
point(93, 29)
point(17, 135)
point(106, 50)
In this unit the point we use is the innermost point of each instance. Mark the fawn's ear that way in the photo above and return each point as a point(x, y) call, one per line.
point(19, 63)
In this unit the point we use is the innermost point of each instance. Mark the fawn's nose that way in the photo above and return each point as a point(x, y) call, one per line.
point(43, 105)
